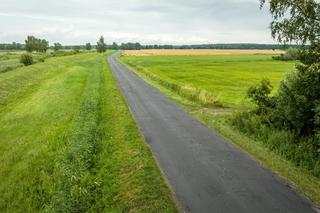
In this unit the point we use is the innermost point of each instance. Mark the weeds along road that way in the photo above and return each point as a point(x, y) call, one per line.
point(205, 172)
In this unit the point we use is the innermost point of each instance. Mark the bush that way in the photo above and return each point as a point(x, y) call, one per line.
point(26, 59)
point(290, 55)
point(299, 99)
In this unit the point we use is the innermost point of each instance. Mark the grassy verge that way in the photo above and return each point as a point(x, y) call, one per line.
point(68, 143)
point(218, 118)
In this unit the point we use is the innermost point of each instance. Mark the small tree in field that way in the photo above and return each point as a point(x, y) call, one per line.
point(101, 46)
point(36, 44)
point(88, 46)
point(57, 46)
point(26, 59)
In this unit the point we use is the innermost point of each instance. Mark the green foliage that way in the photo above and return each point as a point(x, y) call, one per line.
point(295, 20)
point(131, 46)
point(57, 46)
point(114, 46)
point(291, 54)
point(299, 97)
point(35, 44)
point(12, 46)
point(290, 125)
point(260, 94)
point(26, 59)
point(303, 152)
point(88, 46)
point(101, 46)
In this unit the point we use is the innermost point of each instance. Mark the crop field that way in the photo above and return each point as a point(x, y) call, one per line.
point(69, 144)
point(197, 52)
point(211, 79)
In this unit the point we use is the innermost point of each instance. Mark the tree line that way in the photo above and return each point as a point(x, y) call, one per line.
point(138, 46)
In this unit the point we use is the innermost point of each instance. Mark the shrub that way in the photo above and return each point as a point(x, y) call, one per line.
point(290, 55)
point(299, 99)
point(26, 59)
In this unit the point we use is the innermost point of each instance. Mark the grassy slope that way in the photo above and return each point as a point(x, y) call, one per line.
point(217, 118)
point(227, 77)
point(69, 144)
point(11, 60)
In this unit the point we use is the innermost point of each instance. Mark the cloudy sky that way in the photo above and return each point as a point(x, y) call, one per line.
point(145, 21)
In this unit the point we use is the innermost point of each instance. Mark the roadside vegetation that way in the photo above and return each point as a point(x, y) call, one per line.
point(69, 144)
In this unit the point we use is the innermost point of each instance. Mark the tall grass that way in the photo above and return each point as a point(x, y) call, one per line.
point(200, 96)
point(303, 152)
point(75, 183)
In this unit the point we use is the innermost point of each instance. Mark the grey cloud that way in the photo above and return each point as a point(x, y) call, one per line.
point(163, 21)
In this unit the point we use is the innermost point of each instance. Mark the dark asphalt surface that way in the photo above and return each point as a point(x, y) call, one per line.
point(205, 172)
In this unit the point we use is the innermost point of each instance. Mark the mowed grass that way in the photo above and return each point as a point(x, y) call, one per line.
point(225, 77)
point(11, 60)
point(69, 144)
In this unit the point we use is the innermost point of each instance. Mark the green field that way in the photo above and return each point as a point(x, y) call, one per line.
point(226, 77)
point(69, 144)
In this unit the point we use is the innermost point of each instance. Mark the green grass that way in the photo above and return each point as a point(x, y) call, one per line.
point(69, 144)
point(11, 60)
point(225, 78)
point(218, 118)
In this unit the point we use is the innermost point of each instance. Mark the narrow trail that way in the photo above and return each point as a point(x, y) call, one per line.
point(205, 172)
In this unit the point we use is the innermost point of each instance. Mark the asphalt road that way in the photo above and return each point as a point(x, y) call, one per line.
point(205, 172)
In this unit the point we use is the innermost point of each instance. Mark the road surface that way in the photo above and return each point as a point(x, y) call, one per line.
point(205, 172)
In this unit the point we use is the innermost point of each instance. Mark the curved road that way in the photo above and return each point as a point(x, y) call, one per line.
point(205, 172)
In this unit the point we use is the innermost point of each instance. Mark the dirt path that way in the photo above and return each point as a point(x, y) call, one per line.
point(206, 173)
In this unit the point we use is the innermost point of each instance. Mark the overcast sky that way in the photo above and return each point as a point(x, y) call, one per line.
point(145, 21)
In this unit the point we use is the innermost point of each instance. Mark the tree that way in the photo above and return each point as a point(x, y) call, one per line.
point(298, 101)
point(101, 46)
point(114, 46)
point(30, 43)
point(57, 46)
point(88, 46)
point(295, 20)
point(35, 44)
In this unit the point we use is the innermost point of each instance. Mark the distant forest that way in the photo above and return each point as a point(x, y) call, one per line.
point(138, 46)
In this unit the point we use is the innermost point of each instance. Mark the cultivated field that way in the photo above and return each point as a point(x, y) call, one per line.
point(197, 52)
point(69, 144)
point(211, 79)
